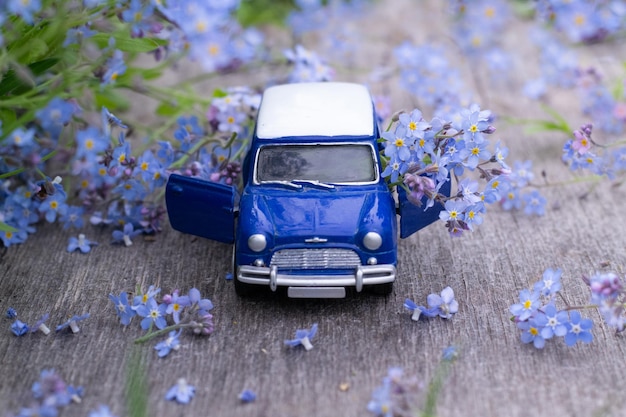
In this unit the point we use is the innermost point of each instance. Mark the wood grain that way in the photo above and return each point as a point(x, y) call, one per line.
point(358, 337)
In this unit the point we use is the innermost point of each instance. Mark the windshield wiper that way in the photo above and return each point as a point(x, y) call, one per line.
point(287, 183)
point(314, 182)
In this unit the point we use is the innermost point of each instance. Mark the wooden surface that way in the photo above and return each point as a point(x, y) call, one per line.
point(358, 337)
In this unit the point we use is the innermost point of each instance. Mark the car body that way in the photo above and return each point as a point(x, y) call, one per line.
point(314, 215)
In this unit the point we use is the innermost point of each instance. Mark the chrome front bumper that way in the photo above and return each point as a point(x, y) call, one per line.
point(360, 276)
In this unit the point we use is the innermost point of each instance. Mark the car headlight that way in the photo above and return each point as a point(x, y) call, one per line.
point(372, 240)
point(257, 242)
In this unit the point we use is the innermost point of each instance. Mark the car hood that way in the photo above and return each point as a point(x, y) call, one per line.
point(312, 216)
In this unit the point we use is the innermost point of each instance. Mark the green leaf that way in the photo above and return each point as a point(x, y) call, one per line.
point(112, 100)
point(12, 83)
point(166, 109)
point(6, 228)
point(262, 12)
point(126, 44)
point(37, 49)
point(219, 93)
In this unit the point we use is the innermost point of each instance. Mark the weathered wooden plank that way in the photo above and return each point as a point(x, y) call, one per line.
point(359, 337)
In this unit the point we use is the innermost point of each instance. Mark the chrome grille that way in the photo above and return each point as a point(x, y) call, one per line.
point(323, 258)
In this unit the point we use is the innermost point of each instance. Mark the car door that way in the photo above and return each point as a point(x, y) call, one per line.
point(414, 218)
point(201, 207)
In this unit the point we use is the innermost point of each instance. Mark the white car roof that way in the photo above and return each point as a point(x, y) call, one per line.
point(315, 109)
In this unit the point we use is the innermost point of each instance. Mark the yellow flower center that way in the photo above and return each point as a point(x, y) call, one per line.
point(399, 142)
point(412, 125)
point(214, 49)
point(144, 166)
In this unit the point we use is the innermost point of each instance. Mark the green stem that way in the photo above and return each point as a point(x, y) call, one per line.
point(181, 161)
point(165, 330)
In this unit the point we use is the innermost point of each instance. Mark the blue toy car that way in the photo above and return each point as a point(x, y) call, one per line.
point(314, 216)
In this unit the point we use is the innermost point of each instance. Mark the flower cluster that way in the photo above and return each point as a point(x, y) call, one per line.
point(538, 318)
point(50, 125)
point(443, 305)
point(607, 293)
point(307, 66)
point(582, 153)
point(422, 156)
point(20, 328)
point(50, 394)
point(583, 21)
point(189, 311)
point(477, 30)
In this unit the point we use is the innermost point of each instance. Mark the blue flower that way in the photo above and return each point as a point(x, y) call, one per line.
point(532, 332)
point(578, 329)
point(419, 311)
point(550, 283)
point(53, 205)
point(73, 217)
point(171, 343)
point(381, 402)
point(453, 211)
point(90, 142)
point(535, 203)
point(122, 308)
point(11, 313)
point(101, 411)
point(529, 303)
point(450, 353)
point(115, 67)
point(176, 304)
point(126, 235)
point(40, 325)
point(204, 304)
point(445, 304)
point(82, 243)
point(19, 328)
point(143, 298)
point(71, 323)
point(247, 396)
point(152, 312)
point(24, 9)
point(552, 322)
point(182, 392)
point(303, 337)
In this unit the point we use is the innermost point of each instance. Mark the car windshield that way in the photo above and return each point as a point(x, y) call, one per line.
point(330, 164)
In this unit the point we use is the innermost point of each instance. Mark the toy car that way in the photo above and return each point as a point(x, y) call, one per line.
point(314, 216)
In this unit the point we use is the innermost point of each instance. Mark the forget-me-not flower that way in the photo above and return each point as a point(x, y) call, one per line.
point(71, 323)
point(247, 396)
point(303, 337)
point(152, 312)
point(445, 304)
point(123, 309)
point(578, 329)
point(182, 392)
point(171, 343)
point(19, 328)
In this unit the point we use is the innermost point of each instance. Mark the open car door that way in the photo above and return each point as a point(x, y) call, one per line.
point(414, 218)
point(201, 207)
